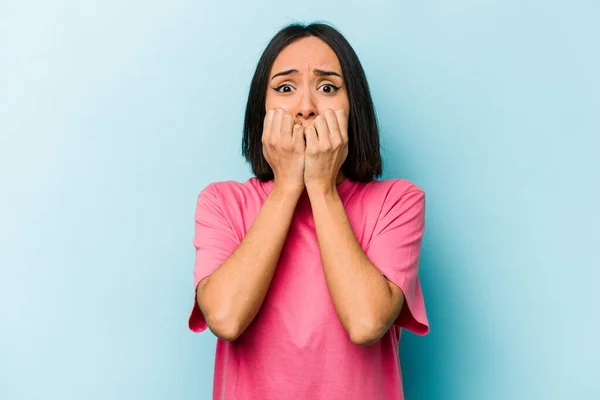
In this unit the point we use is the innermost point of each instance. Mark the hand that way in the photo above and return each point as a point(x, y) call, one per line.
point(283, 148)
point(326, 150)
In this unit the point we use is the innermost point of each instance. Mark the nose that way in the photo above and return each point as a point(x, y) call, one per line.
point(306, 108)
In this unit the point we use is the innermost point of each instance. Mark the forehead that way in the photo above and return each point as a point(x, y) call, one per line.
point(307, 53)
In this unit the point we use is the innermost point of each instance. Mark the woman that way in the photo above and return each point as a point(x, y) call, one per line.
point(308, 271)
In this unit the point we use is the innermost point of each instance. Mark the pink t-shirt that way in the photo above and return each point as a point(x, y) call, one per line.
point(296, 348)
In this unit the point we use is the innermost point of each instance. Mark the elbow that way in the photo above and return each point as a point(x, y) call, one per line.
point(224, 327)
point(226, 335)
point(222, 323)
point(366, 334)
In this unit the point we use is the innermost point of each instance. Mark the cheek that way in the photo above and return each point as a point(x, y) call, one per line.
point(341, 102)
point(346, 106)
point(336, 104)
point(275, 102)
point(268, 102)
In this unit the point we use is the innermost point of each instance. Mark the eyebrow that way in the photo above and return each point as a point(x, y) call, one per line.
point(318, 72)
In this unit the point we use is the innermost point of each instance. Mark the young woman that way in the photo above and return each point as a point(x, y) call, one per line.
point(308, 271)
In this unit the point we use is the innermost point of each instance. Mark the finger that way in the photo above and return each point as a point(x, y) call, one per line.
point(287, 125)
point(267, 123)
point(312, 142)
point(332, 123)
point(298, 137)
point(343, 124)
point(277, 120)
point(322, 131)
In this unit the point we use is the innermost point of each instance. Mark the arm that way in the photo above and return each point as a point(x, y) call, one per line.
point(232, 295)
point(365, 301)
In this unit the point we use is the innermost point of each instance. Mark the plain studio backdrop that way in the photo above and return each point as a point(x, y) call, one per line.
point(115, 114)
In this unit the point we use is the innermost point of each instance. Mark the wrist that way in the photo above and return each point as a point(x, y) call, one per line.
point(284, 192)
point(322, 190)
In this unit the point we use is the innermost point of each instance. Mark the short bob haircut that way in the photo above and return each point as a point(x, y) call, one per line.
point(363, 163)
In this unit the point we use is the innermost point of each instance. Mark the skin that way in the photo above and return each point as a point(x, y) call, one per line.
point(305, 141)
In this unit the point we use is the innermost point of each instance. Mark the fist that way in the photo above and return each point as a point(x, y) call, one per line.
point(284, 147)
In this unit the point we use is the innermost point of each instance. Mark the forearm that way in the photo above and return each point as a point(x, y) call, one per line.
point(232, 295)
point(361, 295)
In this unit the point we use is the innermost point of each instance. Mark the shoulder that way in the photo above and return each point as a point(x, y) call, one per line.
point(226, 190)
point(228, 196)
point(394, 198)
point(398, 185)
point(396, 203)
point(392, 190)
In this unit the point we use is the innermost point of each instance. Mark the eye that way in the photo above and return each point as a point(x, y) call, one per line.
point(278, 89)
point(331, 88)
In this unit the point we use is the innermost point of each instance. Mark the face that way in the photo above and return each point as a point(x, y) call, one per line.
point(306, 79)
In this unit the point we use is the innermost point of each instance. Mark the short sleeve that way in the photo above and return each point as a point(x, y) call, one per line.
point(395, 248)
point(214, 240)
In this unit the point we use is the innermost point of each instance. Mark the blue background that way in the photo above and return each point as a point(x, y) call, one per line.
point(115, 114)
